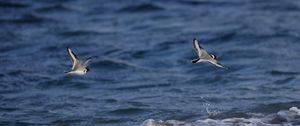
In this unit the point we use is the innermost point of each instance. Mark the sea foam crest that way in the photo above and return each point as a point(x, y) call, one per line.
point(286, 118)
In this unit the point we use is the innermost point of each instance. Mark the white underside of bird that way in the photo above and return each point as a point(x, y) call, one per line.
point(204, 56)
point(78, 68)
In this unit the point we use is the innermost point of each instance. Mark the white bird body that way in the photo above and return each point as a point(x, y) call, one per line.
point(78, 68)
point(204, 56)
point(77, 72)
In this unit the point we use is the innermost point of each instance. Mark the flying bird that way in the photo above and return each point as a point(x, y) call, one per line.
point(204, 56)
point(78, 68)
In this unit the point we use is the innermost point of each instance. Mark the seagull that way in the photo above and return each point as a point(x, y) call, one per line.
point(78, 68)
point(204, 56)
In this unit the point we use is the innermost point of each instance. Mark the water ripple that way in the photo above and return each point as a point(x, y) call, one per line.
point(145, 7)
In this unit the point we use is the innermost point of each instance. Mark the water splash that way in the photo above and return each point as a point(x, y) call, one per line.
point(210, 108)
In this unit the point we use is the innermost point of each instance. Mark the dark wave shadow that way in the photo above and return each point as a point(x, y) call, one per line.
point(137, 87)
point(280, 6)
point(210, 3)
point(278, 73)
point(28, 19)
point(8, 4)
point(285, 80)
point(145, 7)
point(107, 121)
point(55, 8)
point(83, 33)
point(274, 107)
point(128, 111)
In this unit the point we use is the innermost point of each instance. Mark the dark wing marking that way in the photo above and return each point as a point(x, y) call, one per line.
point(213, 56)
point(195, 61)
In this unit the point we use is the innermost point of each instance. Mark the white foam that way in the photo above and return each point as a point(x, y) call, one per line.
point(295, 109)
point(281, 118)
point(149, 122)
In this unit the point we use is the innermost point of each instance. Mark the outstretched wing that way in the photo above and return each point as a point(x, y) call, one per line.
point(218, 64)
point(200, 50)
point(75, 60)
point(221, 66)
point(87, 62)
point(197, 47)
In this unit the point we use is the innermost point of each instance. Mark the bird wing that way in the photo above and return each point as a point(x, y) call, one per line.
point(75, 60)
point(202, 53)
point(219, 65)
point(87, 62)
point(197, 47)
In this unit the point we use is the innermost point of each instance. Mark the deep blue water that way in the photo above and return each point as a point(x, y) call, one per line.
point(142, 52)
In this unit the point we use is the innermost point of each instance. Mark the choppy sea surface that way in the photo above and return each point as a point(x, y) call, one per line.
point(141, 73)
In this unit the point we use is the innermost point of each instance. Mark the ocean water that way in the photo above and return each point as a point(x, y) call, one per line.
point(141, 72)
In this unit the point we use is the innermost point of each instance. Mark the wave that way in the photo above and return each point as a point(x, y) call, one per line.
point(27, 19)
point(111, 64)
point(146, 7)
point(285, 117)
point(79, 33)
point(278, 72)
point(137, 87)
point(285, 80)
point(280, 6)
point(7, 4)
point(128, 111)
point(210, 3)
point(56, 7)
